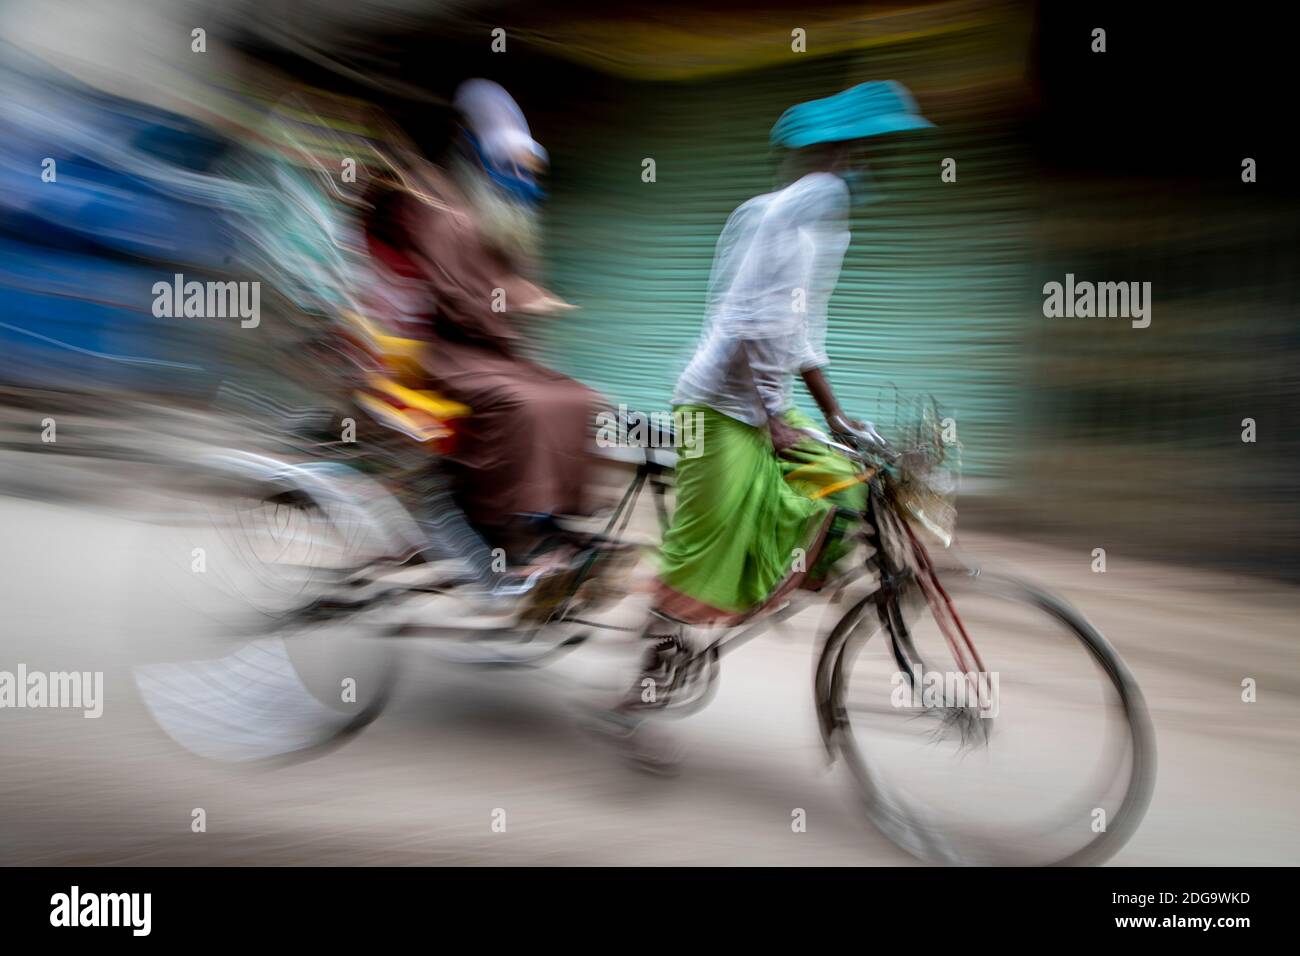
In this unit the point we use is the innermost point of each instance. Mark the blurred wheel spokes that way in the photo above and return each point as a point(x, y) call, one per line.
point(1022, 764)
point(259, 554)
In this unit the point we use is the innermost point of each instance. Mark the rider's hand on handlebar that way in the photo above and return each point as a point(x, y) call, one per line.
point(839, 424)
point(863, 432)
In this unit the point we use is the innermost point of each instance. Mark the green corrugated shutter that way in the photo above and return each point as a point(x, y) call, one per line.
point(931, 298)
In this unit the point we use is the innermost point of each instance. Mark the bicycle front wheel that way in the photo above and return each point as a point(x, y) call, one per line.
point(1044, 755)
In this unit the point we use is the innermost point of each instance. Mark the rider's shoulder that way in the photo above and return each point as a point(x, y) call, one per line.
point(820, 187)
point(813, 196)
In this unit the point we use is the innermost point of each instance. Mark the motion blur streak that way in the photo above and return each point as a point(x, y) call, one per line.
point(242, 520)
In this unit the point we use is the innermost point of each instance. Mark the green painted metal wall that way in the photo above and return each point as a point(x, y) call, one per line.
point(933, 296)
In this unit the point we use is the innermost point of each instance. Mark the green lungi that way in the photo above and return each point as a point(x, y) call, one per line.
point(748, 527)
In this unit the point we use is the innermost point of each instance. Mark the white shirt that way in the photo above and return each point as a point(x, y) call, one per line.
point(776, 264)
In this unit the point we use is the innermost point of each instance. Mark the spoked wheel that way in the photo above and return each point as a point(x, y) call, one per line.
point(248, 677)
point(1048, 758)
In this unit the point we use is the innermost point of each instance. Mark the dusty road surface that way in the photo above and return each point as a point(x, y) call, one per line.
point(98, 589)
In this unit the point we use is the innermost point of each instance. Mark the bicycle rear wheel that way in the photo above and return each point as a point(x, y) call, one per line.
point(1048, 758)
point(247, 676)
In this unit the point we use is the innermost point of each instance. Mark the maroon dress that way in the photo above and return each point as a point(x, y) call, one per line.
point(525, 446)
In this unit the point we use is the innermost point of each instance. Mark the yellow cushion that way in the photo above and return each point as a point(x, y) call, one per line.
point(426, 401)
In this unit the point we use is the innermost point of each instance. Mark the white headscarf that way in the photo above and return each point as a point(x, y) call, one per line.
point(497, 122)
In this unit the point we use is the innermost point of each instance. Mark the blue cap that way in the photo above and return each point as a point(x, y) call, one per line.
point(868, 109)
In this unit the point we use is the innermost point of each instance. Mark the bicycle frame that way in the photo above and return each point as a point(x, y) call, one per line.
point(895, 575)
point(892, 580)
point(916, 567)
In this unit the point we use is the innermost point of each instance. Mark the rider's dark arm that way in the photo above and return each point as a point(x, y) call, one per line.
point(819, 387)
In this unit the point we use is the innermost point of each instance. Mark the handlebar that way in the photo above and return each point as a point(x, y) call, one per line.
point(862, 441)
